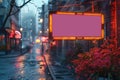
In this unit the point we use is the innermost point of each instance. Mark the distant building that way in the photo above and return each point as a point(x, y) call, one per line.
point(28, 23)
point(44, 17)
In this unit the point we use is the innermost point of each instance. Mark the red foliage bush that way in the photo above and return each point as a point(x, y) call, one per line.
point(102, 61)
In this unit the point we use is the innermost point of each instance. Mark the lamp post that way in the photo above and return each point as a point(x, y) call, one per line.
point(42, 26)
point(21, 29)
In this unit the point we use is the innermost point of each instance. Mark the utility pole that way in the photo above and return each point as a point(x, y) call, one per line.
point(43, 11)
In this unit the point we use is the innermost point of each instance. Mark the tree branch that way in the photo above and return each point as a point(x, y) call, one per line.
point(23, 4)
point(15, 12)
point(18, 7)
point(34, 4)
point(12, 5)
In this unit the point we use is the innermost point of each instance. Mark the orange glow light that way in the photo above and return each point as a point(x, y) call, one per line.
point(64, 38)
point(50, 23)
point(103, 19)
point(65, 13)
point(37, 41)
point(92, 38)
point(103, 33)
point(92, 14)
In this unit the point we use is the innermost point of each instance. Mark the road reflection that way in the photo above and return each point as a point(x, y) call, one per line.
point(19, 62)
point(30, 66)
point(37, 51)
point(42, 79)
point(42, 64)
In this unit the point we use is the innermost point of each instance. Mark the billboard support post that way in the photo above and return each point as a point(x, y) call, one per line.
point(63, 49)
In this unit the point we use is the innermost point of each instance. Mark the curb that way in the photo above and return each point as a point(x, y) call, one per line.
point(53, 75)
point(50, 69)
point(12, 56)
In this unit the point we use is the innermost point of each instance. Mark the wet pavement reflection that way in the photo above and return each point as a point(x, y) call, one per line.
point(30, 66)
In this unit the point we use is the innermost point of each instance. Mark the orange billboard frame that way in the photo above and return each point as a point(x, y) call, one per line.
point(74, 37)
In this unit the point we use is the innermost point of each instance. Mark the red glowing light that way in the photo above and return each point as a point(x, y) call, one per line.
point(17, 34)
point(44, 39)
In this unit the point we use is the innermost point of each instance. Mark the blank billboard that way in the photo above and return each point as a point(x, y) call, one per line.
point(76, 25)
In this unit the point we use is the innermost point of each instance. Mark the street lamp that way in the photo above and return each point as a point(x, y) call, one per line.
point(21, 30)
point(47, 30)
point(40, 32)
point(41, 20)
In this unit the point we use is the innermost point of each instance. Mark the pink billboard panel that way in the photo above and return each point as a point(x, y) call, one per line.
point(68, 25)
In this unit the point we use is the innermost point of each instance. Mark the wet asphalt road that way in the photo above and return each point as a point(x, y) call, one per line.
point(30, 66)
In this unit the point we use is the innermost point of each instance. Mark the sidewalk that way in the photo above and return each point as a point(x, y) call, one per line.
point(14, 53)
point(58, 71)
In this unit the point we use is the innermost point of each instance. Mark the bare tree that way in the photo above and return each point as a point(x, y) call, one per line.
point(14, 8)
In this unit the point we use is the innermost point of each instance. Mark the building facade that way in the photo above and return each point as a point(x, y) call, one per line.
point(4, 7)
point(9, 27)
point(44, 20)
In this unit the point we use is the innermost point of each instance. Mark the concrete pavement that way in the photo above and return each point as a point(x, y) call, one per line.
point(57, 70)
